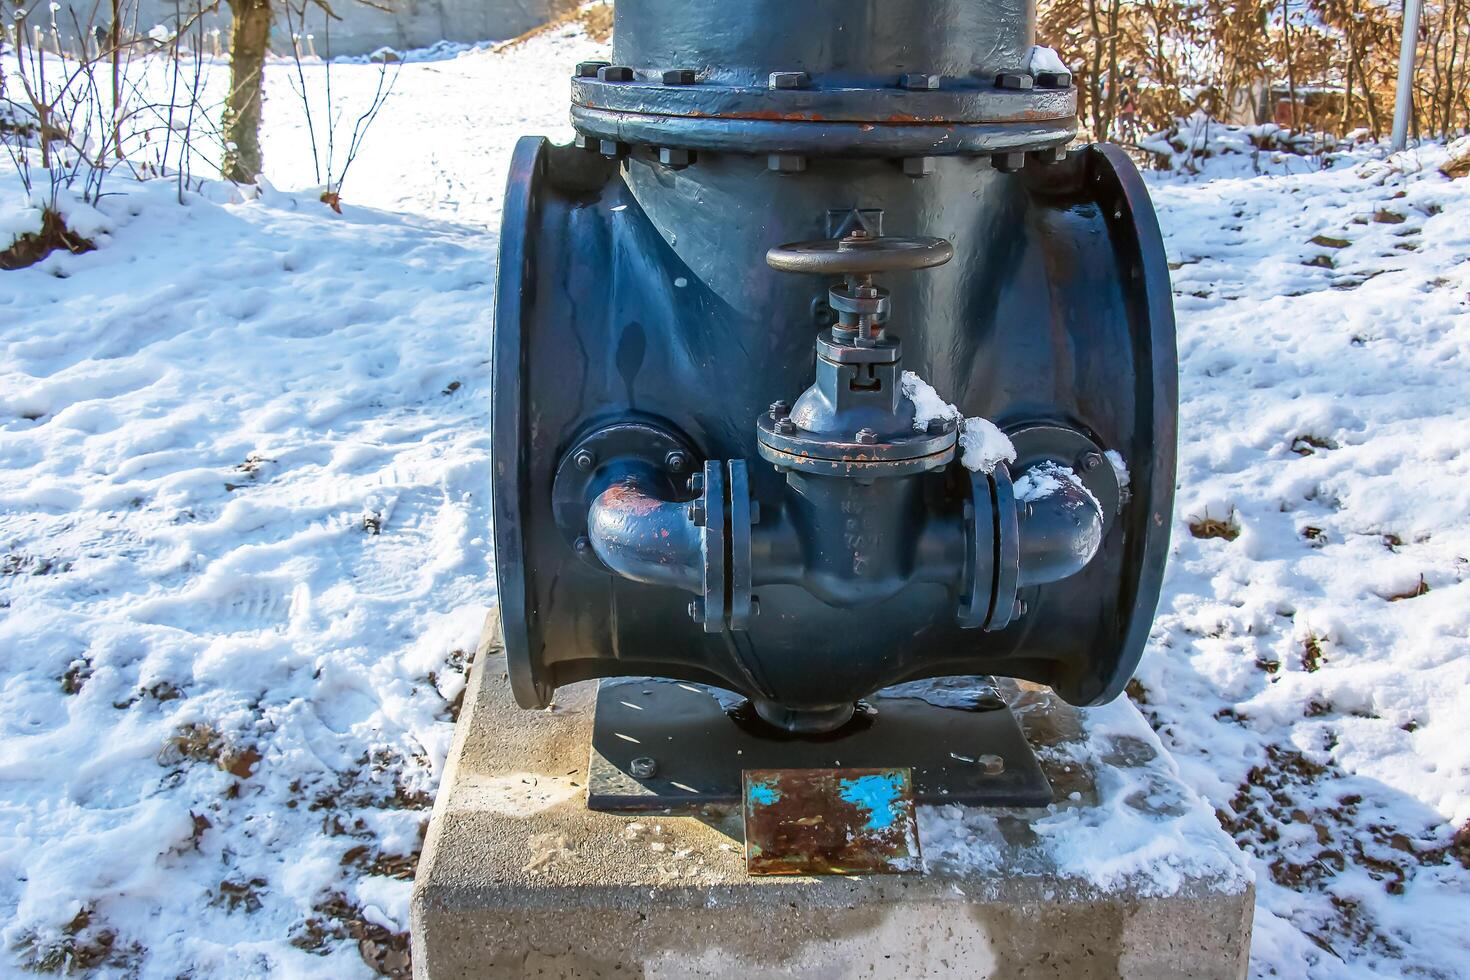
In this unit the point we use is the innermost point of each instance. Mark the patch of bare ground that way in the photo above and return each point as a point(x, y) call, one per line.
point(337, 919)
point(85, 947)
point(1287, 815)
point(32, 247)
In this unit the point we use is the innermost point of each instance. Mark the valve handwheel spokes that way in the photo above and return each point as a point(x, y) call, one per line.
point(859, 253)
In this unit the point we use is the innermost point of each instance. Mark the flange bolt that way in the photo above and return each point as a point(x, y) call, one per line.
point(786, 427)
point(696, 512)
point(919, 82)
point(938, 426)
point(779, 410)
point(1090, 461)
point(867, 436)
point(585, 460)
point(696, 483)
point(643, 767)
point(696, 609)
point(583, 545)
point(676, 461)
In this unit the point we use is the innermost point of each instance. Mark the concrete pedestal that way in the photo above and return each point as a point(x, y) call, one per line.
point(519, 879)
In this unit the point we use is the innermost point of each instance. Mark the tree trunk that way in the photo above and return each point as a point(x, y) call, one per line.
point(1296, 123)
point(1099, 130)
point(114, 41)
point(249, 38)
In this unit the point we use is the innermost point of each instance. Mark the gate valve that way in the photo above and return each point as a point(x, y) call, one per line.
point(854, 420)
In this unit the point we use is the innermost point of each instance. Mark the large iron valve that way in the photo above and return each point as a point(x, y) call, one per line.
point(856, 524)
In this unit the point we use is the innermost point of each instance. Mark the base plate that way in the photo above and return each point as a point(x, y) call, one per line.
point(956, 734)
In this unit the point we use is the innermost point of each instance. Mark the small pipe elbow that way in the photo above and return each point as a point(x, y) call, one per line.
point(1061, 526)
point(643, 537)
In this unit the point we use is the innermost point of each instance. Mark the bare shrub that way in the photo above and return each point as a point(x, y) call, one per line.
point(83, 99)
point(333, 146)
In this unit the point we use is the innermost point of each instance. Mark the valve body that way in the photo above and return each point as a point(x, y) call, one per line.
point(706, 463)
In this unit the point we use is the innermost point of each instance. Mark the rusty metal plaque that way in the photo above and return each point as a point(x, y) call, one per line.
point(830, 822)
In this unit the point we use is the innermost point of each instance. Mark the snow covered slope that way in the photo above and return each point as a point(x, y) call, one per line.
point(243, 550)
point(243, 512)
point(1310, 669)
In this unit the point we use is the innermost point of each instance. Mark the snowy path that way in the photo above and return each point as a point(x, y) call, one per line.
point(243, 474)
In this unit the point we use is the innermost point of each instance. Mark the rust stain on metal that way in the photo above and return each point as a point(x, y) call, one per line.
point(627, 494)
point(830, 821)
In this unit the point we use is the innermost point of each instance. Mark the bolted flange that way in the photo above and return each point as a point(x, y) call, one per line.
point(604, 454)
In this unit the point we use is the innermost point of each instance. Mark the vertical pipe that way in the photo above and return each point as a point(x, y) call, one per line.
point(1405, 97)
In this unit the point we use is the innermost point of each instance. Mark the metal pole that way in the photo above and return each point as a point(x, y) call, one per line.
point(1405, 97)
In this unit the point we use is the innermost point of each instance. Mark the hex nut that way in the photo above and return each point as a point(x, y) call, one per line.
point(790, 79)
point(919, 82)
point(583, 545)
point(615, 73)
point(695, 511)
point(1090, 461)
point(1053, 79)
point(675, 158)
point(918, 166)
point(643, 767)
point(584, 142)
point(584, 460)
point(786, 427)
point(867, 436)
point(1013, 81)
point(786, 163)
point(696, 483)
point(780, 409)
point(612, 149)
point(680, 76)
point(1008, 163)
point(589, 69)
point(677, 461)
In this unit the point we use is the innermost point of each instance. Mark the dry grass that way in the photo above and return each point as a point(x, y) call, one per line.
point(1457, 166)
point(1211, 527)
point(203, 743)
point(596, 18)
point(1421, 589)
point(31, 248)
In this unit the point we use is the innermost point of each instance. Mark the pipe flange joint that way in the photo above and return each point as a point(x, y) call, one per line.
point(653, 448)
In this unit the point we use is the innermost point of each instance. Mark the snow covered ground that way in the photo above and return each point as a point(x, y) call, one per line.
point(243, 550)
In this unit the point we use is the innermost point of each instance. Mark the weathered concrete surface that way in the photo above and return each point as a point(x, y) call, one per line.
point(519, 879)
point(362, 28)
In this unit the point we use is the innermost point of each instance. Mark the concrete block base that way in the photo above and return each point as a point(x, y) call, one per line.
point(519, 879)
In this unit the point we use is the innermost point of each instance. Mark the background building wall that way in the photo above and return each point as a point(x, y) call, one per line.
point(363, 29)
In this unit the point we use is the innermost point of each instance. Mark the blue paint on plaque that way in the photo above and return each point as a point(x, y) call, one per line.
point(763, 794)
point(876, 794)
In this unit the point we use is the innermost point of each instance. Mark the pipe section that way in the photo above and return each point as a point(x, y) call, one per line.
point(643, 537)
point(1061, 524)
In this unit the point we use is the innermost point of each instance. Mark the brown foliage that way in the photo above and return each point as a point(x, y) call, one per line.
point(1329, 65)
